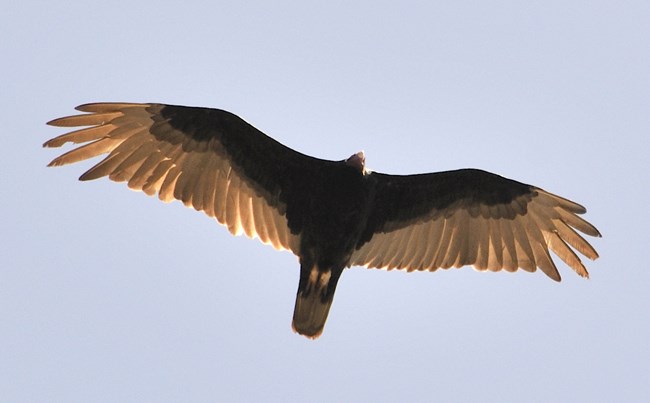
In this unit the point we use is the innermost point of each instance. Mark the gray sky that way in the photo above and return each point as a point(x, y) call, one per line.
point(109, 295)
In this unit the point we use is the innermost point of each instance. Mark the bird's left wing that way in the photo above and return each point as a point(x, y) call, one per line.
point(470, 217)
point(209, 159)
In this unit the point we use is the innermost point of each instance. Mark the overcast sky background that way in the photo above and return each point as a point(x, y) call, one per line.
point(109, 295)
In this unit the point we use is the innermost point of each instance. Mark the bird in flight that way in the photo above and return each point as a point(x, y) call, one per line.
point(331, 214)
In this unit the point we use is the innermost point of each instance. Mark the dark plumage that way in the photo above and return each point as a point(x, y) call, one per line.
point(331, 214)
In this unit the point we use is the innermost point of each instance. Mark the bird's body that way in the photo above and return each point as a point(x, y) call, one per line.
point(331, 214)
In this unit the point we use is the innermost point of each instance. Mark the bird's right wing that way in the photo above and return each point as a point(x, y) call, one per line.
point(209, 159)
point(470, 217)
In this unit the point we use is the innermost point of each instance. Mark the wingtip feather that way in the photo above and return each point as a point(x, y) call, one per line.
point(97, 107)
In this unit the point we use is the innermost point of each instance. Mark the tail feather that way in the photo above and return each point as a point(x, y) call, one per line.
point(314, 299)
point(310, 314)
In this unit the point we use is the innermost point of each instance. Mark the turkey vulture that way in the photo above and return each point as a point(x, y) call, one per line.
point(331, 214)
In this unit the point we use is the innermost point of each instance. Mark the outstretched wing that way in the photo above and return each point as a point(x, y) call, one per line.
point(471, 217)
point(209, 159)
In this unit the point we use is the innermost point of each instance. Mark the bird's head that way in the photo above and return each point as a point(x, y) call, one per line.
point(357, 161)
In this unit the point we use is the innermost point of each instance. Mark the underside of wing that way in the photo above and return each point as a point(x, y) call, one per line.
point(494, 224)
point(209, 159)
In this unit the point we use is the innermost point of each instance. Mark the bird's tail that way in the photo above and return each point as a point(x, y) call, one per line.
point(313, 302)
